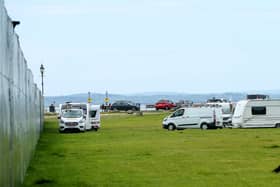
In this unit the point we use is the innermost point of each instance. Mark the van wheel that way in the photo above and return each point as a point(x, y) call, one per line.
point(277, 125)
point(204, 126)
point(171, 127)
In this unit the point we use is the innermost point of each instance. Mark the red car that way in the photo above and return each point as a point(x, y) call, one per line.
point(164, 104)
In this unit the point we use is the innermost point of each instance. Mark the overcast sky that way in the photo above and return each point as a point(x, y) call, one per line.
point(192, 46)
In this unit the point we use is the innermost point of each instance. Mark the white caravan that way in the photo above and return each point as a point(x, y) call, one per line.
point(257, 113)
point(72, 119)
point(94, 115)
point(90, 122)
point(194, 117)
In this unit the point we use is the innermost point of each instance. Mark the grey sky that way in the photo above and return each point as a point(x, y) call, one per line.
point(192, 46)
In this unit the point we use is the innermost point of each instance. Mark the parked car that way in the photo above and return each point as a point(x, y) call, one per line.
point(194, 117)
point(125, 106)
point(183, 103)
point(164, 104)
point(72, 119)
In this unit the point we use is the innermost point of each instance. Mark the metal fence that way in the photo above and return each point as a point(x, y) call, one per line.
point(21, 107)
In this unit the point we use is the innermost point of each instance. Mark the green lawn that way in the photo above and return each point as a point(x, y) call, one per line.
point(135, 151)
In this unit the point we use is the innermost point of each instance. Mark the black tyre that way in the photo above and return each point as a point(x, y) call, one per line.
point(277, 125)
point(171, 127)
point(204, 126)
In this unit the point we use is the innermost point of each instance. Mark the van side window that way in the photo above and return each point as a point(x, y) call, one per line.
point(178, 113)
point(258, 110)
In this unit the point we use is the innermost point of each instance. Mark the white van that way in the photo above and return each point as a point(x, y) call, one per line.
point(72, 119)
point(91, 113)
point(227, 109)
point(94, 116)
point(200, 117)
point(257, 113)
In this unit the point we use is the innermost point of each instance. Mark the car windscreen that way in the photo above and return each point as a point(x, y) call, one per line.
point(72, 114)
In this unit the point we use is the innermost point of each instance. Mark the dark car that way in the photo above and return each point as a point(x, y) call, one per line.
point(164, 104)
point(125, 106)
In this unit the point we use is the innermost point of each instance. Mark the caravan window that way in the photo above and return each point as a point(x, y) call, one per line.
point(259, 110)
point(93, 113)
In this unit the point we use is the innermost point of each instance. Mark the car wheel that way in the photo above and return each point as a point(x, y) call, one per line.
point(167, 108)
point(277, 125)
point(171, 127)
point(204, 126)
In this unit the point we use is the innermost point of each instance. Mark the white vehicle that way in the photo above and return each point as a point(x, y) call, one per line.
point(72, 119)
point(257, 113)
point(95, 117)
point(200, 117)
point(227, 109)
point(92, 122)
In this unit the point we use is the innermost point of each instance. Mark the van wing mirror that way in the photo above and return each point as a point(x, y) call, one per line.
point(58, 117)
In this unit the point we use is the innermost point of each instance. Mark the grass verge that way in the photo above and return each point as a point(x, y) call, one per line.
point(134, 151)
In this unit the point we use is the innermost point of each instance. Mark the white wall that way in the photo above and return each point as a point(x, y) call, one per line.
point(20, 107)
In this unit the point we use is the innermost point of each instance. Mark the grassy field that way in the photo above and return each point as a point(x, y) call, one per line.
point(134, 151)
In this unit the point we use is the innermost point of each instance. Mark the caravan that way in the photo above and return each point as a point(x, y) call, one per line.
point(94, 115)
point(257, 113)
point(91, 113)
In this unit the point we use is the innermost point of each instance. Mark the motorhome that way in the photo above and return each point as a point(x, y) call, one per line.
point(227, 109)
point(91, 123)
point(257, 113)
point(194, 117)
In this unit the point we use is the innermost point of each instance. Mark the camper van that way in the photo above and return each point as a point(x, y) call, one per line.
point(91, 113)
point(200, 117)
point(257, 113)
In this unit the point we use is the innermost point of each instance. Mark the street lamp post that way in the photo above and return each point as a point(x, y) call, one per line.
point(42, 70)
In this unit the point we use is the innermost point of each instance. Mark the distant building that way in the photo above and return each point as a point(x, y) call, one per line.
point(52, 108)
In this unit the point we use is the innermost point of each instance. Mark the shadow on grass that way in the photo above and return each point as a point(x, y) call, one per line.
point(58, 155)
point(272, 147)
point(43, 181)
